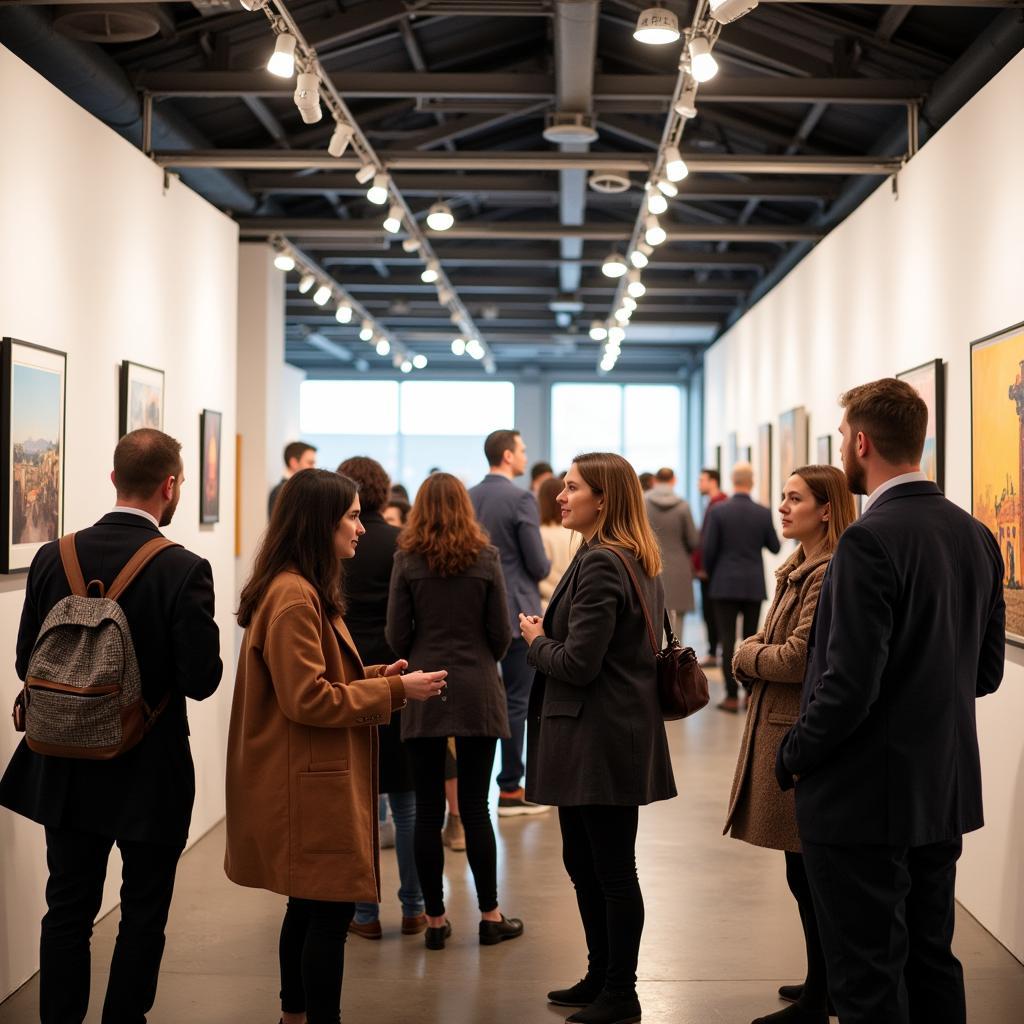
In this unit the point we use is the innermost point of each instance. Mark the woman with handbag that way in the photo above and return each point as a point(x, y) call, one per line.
point(597, 744)
point(816, 508)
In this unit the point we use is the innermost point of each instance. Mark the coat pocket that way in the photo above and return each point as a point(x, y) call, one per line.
point(326, 814)
point(563, 708)
point(777, 718)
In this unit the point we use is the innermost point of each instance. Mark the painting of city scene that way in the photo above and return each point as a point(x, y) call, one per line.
point(928, 381)
point(997, 457)
point(142, 397)
point(32, 426)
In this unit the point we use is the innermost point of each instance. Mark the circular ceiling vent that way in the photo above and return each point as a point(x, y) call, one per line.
point(572, 128)
point(108, 23)
point(609, 182)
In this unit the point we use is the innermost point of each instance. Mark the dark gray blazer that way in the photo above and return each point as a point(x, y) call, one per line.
point(459, 623)
point(735, 531)
point(510, 517)
point(596, 735)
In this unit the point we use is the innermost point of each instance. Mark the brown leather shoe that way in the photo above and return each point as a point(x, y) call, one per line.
point(370, 930)
point(414, 925)
point(730, 704)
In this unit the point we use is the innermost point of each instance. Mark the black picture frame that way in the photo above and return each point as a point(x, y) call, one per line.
point(764, 464)
point(932, 377)
point(823, 450)
point(130, 372)
point(211, 450)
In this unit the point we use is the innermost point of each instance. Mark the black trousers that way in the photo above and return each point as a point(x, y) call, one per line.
point(77, 863)
point(475, 758)
point(599, 852)
point(886, 920)
point(312, 955)
point(726, 614)
point(815, 994)
point(707, 607)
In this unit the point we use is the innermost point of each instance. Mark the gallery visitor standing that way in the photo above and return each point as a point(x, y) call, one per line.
point(709, 484)
point(673, 525)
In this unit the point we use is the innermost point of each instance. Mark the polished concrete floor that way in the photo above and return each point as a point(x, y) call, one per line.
point(721, 935)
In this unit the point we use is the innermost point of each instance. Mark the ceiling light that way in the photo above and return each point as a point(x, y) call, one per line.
point(254, 5)
point(393, 221)
point(366, 330)
point(455, 318)
point(305, 283)
point(614, 265)
point(282, 60)
point(656, 202)
point(419, 361)
point(654, 233)
point(686, 107)
point(321, 295)
point(411, 244)
point(343, 314)
point(383, 346)
point(675, 165)
point(656, 26)
point(430, 273)
point(377, 193)
point(703, 65)
point(613, 348)
point(639, 256)
point(628, 302)
point(366, 173)
point(490, 312)
point(307, 97)
point(440, 217)
point(636, 287)
point(474, 348)
point(340, 139)
point(284, 261)
point(444, 296)
point(458, 346)
point(607, 364)
point(406, 366)
point(615, 335)
point(598, 331)
point(725, 11)
point(667, 188)
point(622, 315)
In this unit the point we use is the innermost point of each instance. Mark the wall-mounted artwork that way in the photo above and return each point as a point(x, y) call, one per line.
point(763, 471)
point(746, 453)
point(793, 442)
point(733, 452)
point(928, 380)
point(997, 457)
point(142, 397)
point(209, 466)
point(823, 456)
point(32, 409)
point(717, 461)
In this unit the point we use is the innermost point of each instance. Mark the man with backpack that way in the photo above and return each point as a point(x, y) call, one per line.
point(116, 631)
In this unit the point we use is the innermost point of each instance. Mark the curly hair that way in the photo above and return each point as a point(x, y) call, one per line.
point(373, 480)
point(442, 526)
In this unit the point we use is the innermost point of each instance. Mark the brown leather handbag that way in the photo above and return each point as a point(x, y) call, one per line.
point(682, 685)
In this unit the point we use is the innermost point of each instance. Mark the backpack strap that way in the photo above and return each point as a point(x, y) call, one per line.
point(136, 564)
point(639, 594)
point(72, 568)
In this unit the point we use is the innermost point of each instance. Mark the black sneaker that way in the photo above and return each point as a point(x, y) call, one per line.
point(583, 993)
point(608, 1008)
point(493, 932)
point(515, 803)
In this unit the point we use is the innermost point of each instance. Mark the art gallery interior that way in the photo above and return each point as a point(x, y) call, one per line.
point(598, 239)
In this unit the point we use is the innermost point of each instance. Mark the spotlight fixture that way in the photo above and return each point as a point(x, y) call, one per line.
point(639, 257)
point(393, 221)
point(306, 282)
point(430, 273)
point(703, 65)
point(383, 346)
point(440, 217)
point(656, 202)
point(284, 261)
point(307, 97)
point(656, 26)
point(628, 302)
point(725, 11)
point(444, 296)
point(458, 346)
point(622, 315)
point(340, 139)
point(419, 361)
point(343, 314)
point(254, 5)
point(406, 366)
point(614, 265)
point(474, 349)
point(490, 312)
point(366, 173)
point(613, 348)
point(686, 106)
point(366, 331)
point(667, 188)
point(377, 193)
point(282, 60)
point(598, 331)
point(411, 244)
point(675, 165)
point(615, 335)
point(654, 233)
point(322, 295)
point(636, 287)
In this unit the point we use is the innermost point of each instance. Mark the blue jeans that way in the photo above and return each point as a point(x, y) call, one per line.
point(517, 676)
point(403, 811)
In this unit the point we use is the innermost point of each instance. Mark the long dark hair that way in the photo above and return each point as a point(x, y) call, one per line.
point(301, 537)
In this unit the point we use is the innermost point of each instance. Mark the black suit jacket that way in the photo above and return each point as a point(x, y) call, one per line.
point(909, 631)
point(735, 531)
point(146, 794)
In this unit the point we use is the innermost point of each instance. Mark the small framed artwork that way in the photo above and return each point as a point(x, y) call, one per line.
point(793, 442)
point(764, 464)
point(928, 380)
point(733, 452)
point(209, 466)
point(32, 409)
point(142, 397)
point(718, 460)
point(746, 453)
point(824, 453)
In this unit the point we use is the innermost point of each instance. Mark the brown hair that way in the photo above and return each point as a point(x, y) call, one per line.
point(143, 460)
point(372, 478)
point(665, 475)
point(442, 526)
point(301, 537)
point(549, 491)
point(892, 414)
point(623, 520)
point(828, 486)
point(497, 443)
point(295, 450)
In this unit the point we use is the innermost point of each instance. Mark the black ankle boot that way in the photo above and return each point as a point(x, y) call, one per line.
point(609, 1008)
point(793, 994)
point(583, 993)
point(434, 938)
point(493, 932)
point(794, 1014)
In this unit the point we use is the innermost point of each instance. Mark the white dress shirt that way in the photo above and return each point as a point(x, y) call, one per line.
point(137, 512)
point(903, 478)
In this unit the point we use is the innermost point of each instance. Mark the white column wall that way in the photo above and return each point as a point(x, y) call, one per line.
point(901, 281)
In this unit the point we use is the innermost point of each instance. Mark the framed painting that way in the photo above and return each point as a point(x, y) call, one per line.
point(764, 464)
point(733, 450)
point(823, 455)
point(717, 462)
point(746, 453)
point(928, 380)
point(142, 397)
point(997, 457)
point(209, 466)
point(33, 403)
point(793, 442)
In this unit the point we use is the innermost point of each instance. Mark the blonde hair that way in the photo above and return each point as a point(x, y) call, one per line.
point(828, 486)
point(622, 520)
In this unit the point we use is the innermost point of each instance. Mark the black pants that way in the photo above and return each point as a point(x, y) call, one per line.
point(886, 920)
point(475, 758)
point(312, 955)
point(726, 614)
point(599, 852)
point(707, 607)
point(815, 994)
point(517, 675)
point(77, 862)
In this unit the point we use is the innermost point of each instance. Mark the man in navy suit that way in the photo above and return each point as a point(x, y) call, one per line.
point(909, 631)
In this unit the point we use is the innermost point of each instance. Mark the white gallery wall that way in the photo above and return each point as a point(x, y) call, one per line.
point(902, 281)
point(101, 261)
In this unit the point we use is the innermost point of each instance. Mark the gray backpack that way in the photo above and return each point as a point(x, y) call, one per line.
point(83, 690)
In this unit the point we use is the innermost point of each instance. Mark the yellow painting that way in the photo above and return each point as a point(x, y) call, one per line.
point(997, 457)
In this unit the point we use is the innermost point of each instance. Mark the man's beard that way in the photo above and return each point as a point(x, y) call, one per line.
point(856, 478)
point(168, 513)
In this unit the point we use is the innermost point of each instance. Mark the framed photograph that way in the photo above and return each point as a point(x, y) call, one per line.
point(209, 466)
point(718, 461)
point(793, 442)
point(997, 457)
point(142, 397)
point(764, 464)
point(32, 409)
point(823, 456)
point(929, 381)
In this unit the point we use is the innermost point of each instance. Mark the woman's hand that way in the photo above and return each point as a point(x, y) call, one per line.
point(396, 668)
point(531, 627)
point(424, 685)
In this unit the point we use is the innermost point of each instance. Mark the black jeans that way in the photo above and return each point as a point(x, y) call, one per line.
point(726, 614)
point(475, 758)
point(78, 866)
point(707, 607)
point(517, 675)
point(312, 955)
point(599, 852)
point(886, 920)
point(815, 994)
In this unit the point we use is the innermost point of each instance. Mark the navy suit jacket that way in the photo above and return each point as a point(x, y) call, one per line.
point(735, 531)
point(909, 631)
point(510, 517)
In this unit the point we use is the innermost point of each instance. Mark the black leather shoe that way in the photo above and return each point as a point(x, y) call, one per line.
point(583, 993)
point(792, 994)
point(434, 938)
point(608, 1008)
point(493, 932)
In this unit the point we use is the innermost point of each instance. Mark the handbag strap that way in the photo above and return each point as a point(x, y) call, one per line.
point(639, 594)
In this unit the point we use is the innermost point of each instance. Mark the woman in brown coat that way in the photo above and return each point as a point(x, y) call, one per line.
point(816, 508)
point(302, 745)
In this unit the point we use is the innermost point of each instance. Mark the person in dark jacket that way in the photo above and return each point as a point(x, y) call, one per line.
point(910, 630)
point(597, 744)
point(142, 799)
point(448, 601)
point(297, 456)
point(366, 584)
point(735, 532)
point(673, 525)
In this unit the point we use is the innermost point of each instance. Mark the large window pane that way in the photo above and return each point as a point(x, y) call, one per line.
point(652, 426)
point(348, 407)
point(584, 418)
point(449, 408)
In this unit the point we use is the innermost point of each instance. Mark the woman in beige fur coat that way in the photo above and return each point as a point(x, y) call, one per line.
point(816, 507)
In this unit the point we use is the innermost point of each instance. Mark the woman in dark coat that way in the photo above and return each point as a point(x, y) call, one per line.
point(448, 595)
point(597, 744)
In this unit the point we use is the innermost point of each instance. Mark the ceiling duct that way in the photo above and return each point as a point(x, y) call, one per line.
point(111, 23)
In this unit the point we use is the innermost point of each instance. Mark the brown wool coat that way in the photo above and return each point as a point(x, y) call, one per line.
point(302, 753)
point(774, 660)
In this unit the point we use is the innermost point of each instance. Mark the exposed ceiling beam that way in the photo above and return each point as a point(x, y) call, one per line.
point(484, 256)
point(891, 20)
